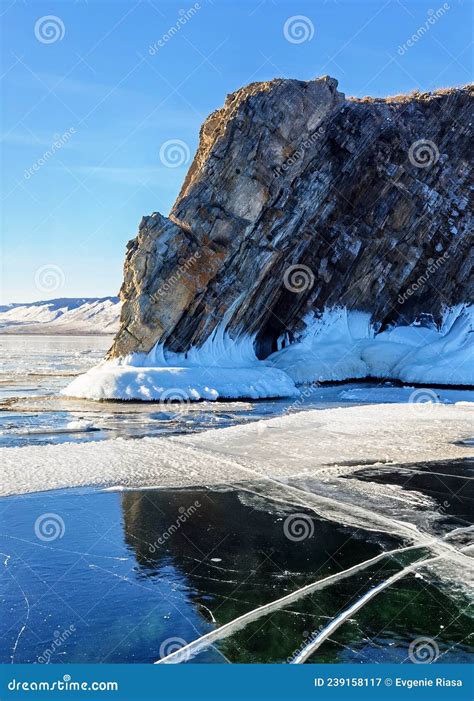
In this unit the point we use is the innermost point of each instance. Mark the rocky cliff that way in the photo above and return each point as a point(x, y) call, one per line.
point(298, 200)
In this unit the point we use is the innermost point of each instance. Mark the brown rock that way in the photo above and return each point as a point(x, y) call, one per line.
point(362, 193)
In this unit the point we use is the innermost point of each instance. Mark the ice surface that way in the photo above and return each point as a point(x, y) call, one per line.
point(317, 444)
point(227, 629)
point(316, 641)
point(338, 345)
point(190, 650)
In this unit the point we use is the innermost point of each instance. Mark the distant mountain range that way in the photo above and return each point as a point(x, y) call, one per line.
point(67, 316)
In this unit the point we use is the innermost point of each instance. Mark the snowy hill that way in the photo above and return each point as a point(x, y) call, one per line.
point(97, 315)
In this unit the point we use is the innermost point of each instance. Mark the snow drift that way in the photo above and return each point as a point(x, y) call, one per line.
point(338, 345)
point(343, 345)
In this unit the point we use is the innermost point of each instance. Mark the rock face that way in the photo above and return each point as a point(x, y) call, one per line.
point(297, 200)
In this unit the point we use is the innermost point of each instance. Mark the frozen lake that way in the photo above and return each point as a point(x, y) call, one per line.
point(133, 575)
point(118, 578)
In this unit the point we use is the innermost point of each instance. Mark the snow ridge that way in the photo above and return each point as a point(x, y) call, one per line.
point(63, 316)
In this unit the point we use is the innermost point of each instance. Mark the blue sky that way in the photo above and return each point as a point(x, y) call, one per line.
point(107, 79)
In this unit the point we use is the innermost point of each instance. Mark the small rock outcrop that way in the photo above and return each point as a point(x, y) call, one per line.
point(297, 200)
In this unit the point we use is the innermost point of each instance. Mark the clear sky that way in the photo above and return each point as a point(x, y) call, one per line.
point(110, 85)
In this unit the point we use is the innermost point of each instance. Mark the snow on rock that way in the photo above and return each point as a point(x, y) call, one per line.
point(339, 345)
point(111, 380)
point(220, 368)
point(342, 345)
point(329, 349)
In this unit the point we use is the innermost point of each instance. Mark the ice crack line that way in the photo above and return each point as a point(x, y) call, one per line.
point(315, 643)
point(5, 562)
point(227, 629)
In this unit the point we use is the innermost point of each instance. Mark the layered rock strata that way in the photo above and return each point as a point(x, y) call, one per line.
point(299, 200)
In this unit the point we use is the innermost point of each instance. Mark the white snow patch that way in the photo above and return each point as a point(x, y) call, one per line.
point(80, 425)
point(341, 345)
point(222, 367)
point(311, 443)
point(338, 345)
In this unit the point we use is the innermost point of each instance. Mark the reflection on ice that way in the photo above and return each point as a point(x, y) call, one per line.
point(226, 570)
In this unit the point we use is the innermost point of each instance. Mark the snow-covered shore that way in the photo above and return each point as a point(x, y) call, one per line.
point(311, 444)
point(339, 345)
